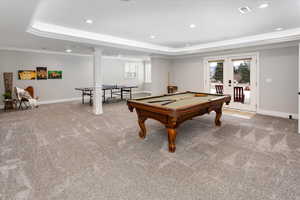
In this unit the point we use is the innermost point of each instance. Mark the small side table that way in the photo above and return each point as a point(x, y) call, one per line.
point(172, 89)
point(9, 104)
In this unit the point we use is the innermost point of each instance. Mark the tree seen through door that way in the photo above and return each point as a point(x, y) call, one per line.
point(215, 75)
point(241, 78)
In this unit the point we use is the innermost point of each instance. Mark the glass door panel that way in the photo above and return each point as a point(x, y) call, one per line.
point(242, 81)
point(242, 72)
point(216, 77)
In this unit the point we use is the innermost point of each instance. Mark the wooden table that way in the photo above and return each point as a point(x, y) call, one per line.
point(173, 109)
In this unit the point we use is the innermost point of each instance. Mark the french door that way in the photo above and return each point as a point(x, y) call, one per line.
point(235, 75)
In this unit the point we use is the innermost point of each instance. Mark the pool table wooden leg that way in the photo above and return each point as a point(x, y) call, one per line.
point(142, 132)
point(218, 117)
point(172, 139)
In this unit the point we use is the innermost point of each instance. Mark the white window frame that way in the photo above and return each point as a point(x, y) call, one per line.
point(135, 71)
point(148, 72)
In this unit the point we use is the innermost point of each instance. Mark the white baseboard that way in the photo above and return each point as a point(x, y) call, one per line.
point(259, 111)
point(59, 101)
point(277, 114)
point(68, 100)
point(52, 101)
point(139, 92)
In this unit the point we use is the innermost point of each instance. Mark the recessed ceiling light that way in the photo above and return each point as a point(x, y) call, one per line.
point(152, 36)
point(278, 29)
point(263, 5)
point(89, 21)
point(244, 10)
point(68, 50)
point(192, 26)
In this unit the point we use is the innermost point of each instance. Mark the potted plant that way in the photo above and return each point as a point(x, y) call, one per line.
point(7, 95)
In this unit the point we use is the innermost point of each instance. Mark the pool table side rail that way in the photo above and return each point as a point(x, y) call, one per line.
point(175, 112)
point(177, 93)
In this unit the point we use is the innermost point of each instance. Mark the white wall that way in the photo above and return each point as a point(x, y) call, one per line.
point(160, 69)
point(279, 64)
point(113, 73)
point(77, 72)
point(187, 74)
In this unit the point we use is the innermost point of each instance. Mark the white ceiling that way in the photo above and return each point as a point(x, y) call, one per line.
point(15, 18)
point(169, 20)
point(128, 25)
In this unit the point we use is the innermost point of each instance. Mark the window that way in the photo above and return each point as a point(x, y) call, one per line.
point(131, 70)
point(216, 72)
point(216, 76)
point(148, 72)
point(140, 71)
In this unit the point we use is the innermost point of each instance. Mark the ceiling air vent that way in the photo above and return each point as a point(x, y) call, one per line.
point(244, 10)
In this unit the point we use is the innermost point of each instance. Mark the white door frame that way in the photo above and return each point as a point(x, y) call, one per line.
point(227, 58)
point(299, 91)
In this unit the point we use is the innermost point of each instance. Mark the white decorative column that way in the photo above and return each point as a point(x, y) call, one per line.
point(98, 78)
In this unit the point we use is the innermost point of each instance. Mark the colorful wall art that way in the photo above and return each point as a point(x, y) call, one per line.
point(54, 74)
point(41, 73)
point(26, 74)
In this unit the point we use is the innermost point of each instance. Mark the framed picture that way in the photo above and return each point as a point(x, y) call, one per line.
point(26, 74)
point(54, 74)
point(41, 73)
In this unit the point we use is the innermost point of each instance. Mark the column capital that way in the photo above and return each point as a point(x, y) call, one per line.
point(97, 50)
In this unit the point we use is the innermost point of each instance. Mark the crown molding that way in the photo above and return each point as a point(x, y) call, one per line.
point(5, 48)
point(64, 33)
point(239, 50)
point(126, 58)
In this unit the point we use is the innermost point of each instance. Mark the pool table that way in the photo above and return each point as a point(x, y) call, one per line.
point(173, 109)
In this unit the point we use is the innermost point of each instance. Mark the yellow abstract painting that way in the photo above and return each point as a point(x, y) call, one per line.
point(26, 74)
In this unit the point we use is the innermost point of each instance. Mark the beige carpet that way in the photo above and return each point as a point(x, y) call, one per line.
point(64, 152)
point(238, 113)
